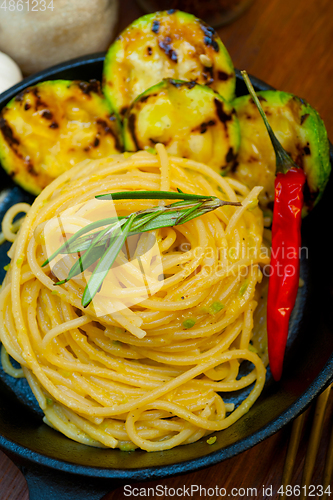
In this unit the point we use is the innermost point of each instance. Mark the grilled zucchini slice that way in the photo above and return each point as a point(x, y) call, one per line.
point(301, 132)
point(169, 44)
point(52, 126)
point(191, 120)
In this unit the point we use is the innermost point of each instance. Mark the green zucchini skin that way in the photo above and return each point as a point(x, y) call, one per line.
point(52, 126)
point(191, 120)
point(301, 132)
point(168, 44)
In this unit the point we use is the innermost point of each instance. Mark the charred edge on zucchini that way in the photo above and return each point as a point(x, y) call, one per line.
point(203, 127)
point(13, 142)
point(103, 126)
point(131, 126)
point(39, 103)
point(47, 114)
point(231, 155)
point(145, 98)
point(178, 85)
point(304, 117)
point(108, 131)
point(9, 135)
point(223, 116)
point(166, 46)
point(20, 95)
point(223, 76)
point(210, 37)
point(93, 86)
point(208, 74)
point(156, 26)
point(124, 110)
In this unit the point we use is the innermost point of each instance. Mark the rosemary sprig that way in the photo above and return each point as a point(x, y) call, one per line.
point(105, 244)
point(106, 262)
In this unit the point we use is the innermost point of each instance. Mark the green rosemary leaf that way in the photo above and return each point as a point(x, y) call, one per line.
point(106, 262)
point(188, 213)
point(205, 207)
point(152, 195)
point(81, 265)
point(77, 246)
point(93, 253)
point(94, 225)
point(82, 243)
point(163, 219)
point(137, 225)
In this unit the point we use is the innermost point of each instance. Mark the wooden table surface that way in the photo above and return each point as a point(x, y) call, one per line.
point(288, 44)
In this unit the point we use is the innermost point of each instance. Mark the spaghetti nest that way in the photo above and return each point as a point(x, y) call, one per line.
point(152, 374)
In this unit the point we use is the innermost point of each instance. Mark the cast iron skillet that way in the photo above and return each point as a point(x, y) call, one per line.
point(56, 467)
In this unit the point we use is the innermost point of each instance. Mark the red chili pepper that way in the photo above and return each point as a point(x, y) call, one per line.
point(284, 273)
point(286, 243)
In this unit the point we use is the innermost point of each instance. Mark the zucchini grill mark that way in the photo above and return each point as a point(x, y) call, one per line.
point(14, 143)
point(303, 136)
point(8, 134)
point(168, 44)
point(32, 124)
point(191, 120)
point(210, 37)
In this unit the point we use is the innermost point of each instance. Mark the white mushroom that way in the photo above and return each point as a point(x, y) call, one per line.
point(10, 73)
